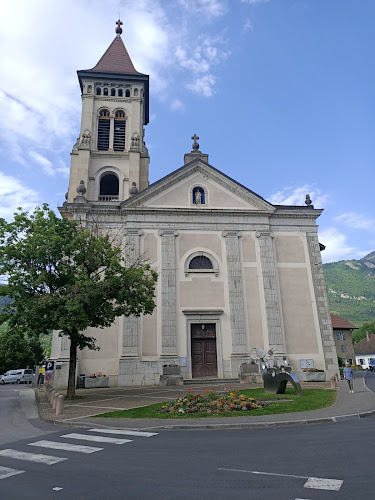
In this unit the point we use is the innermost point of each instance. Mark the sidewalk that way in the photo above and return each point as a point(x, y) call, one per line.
point(97, 401)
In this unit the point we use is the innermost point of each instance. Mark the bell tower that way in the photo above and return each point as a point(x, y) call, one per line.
point(109, 162)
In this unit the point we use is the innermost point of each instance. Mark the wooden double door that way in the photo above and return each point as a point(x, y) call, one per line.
point(203, 350)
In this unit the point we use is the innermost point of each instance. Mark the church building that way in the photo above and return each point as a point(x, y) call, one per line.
point(235, 272)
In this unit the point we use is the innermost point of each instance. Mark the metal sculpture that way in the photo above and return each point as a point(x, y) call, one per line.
point(275, 376)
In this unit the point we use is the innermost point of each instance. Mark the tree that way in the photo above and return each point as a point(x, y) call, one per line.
point(18, 350)
point(366, 328)
point(64, 277)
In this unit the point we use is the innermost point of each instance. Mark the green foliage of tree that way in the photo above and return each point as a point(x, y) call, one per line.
point(64, 277)
point(366, 328)
point(18, 349)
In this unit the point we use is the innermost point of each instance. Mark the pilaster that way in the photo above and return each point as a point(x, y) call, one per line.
point(274, 319)
point(325, 324)
point(168, 293)
point(131, 323)
point(236, 295)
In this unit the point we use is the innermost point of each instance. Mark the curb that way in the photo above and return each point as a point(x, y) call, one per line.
point(249, 425)
point(219, 426)
point(28, 403)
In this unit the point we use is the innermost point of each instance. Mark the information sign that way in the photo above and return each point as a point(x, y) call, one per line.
point(49, 366)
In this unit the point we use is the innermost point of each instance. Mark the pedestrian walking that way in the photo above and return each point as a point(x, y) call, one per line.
point(348, 375)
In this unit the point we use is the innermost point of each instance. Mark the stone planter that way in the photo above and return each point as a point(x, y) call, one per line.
point(249, 368)
point(171, 370)
point(313, 376)
point(249, 374)
point(171, 380)
point(96, 382)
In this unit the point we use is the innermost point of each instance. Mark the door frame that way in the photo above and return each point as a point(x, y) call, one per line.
point(201, 317)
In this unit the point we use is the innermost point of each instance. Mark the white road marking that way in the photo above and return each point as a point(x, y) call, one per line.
point(31, 457)
point(125, 432)
point(317, 483)
point(65, 446)
point(56, 488)
point(7, 472)
point(98, 439)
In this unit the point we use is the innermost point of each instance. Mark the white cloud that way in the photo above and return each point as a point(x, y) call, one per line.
point(356, 221)
point(297, 195)
point(14, 194)
point(253, 2)
point(247, 25)
point(203, 85)
point(43, 162)
point(211, 8)
point(337, 247)
point(200, 60)
point(177, 105)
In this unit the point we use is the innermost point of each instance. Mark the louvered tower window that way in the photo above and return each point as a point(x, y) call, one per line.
point(119, 131)
point(103, 130)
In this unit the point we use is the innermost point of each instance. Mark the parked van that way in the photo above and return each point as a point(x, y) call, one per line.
point(22, 376)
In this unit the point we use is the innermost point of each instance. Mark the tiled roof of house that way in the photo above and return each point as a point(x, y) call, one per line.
point(365, 346)
point(116, 60)
point(338, 322)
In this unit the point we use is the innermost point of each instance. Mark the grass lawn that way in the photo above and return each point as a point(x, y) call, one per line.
point(312, 399)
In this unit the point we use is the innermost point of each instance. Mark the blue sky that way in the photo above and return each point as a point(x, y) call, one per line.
point(280, 92)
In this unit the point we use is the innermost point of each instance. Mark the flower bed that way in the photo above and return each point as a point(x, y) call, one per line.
point(211, 402)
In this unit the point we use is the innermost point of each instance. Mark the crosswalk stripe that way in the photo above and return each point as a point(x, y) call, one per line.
point(7, 472)
point(125, 432)
point(98, 439)
point(31, 457)
point(65, 446)
point(319, 483)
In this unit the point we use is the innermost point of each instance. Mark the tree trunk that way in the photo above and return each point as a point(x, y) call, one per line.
point(72, 368)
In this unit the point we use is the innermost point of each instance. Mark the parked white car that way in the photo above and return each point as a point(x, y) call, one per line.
point(22, 376)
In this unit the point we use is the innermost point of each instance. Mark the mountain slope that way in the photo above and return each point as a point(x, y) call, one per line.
point(351, 288)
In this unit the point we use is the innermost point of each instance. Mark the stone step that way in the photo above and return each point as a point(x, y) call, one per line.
point(209, 380)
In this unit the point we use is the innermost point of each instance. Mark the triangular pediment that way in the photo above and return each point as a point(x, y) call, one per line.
point(176, 191)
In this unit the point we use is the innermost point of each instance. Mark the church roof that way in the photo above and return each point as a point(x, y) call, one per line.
point(116, 60)
point(338, 322)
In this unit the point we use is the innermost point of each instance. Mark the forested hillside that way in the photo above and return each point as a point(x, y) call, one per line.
point(351, 288)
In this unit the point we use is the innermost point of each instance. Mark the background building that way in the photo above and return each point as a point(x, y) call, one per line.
point(365, 351)
point(342, 334)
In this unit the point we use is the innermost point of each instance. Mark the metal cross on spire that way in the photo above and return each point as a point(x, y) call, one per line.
point(118, 28)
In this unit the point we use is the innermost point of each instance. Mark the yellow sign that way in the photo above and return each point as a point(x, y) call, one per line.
point(42, 370)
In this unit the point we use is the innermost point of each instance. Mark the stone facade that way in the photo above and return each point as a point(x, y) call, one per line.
point(235, 272)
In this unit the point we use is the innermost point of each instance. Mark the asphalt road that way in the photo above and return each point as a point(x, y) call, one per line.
point(370, 382)
point(267, 464)
point(18, 418)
